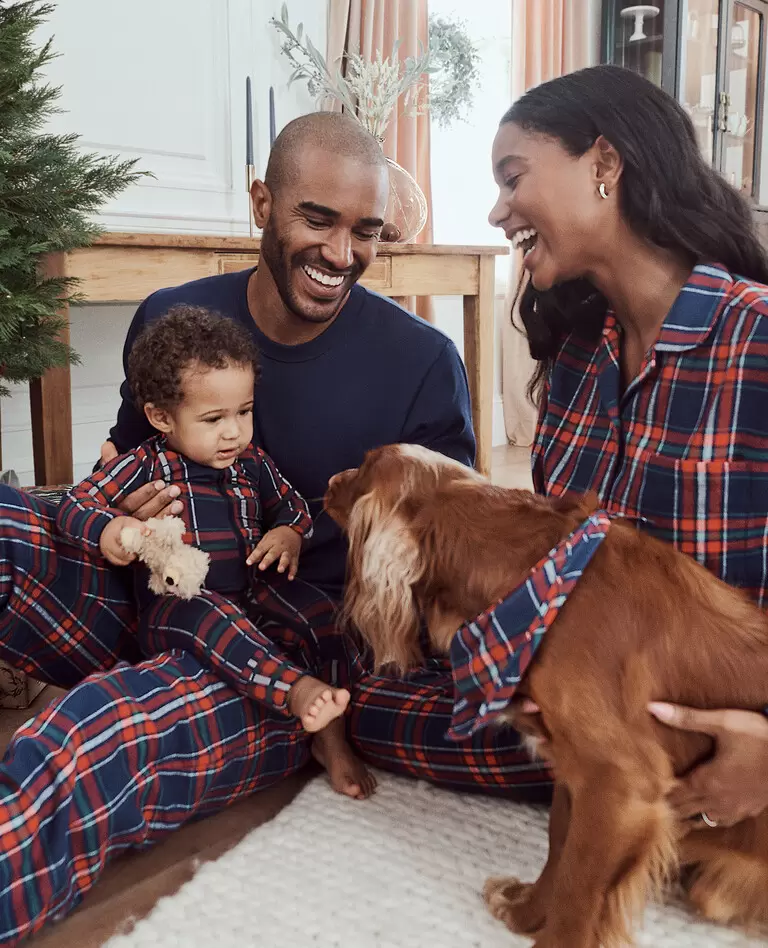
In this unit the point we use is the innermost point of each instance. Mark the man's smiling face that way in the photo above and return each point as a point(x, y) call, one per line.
point(323, 230)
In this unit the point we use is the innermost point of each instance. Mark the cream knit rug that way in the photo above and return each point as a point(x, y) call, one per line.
point(401, 870)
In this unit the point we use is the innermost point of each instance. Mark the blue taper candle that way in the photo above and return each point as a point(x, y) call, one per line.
point(248, 123)
point(271, 116)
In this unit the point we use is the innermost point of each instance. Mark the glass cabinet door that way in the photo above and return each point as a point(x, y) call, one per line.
point(711, 55)
point(722, 52)
point(641, 37)
point(698, 92)
point(740, 120)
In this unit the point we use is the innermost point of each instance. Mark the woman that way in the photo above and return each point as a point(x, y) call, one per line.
point(647, 311)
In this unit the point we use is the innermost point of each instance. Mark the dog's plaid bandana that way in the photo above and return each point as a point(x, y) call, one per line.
point(490, 655)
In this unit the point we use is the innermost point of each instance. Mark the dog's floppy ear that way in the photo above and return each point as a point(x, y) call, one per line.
point(385, 563)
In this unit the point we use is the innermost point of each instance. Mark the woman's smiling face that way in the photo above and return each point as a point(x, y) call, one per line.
point(549, 204)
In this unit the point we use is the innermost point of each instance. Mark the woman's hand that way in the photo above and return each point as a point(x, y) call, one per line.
point(733, 785)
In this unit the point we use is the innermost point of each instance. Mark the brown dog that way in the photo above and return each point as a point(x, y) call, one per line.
point(431, 538)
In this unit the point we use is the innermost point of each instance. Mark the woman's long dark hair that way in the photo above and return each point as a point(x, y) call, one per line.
point(668, 193)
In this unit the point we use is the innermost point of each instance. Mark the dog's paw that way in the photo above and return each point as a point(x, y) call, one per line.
point(732, 892)
point(516, 904)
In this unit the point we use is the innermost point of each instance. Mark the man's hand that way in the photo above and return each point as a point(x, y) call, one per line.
point(109, 542)
point(282, 544)
point(108, 452)
point(157, 499)
point(733, 785)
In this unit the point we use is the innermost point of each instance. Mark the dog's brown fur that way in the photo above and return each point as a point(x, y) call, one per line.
point(431, 538)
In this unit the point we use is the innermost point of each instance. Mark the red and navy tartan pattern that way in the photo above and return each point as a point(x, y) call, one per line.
point(225, 511)
point(63, 613)
point(402, 724)
point(685, 447)
point(237, 639)
point(129, 755)
point(491, 654)
point(118, 763)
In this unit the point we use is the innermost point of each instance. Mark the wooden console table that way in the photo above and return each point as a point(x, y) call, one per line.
point(128, 267)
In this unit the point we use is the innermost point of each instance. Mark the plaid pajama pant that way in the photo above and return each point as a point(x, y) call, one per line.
point(136, 750)
point(259, 643)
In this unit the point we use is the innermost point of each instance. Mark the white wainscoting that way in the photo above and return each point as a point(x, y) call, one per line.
point(164, 81)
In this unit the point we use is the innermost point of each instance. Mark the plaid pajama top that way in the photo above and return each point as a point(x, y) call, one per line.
point(684, 449)
point(685, 446)
point(225, 511)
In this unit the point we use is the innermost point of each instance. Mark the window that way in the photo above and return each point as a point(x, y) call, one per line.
point(463, 189)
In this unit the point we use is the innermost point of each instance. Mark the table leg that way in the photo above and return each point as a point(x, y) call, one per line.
point(479, 333)
point(51, 404)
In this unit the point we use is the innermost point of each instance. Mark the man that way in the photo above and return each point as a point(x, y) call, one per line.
point(132, 753)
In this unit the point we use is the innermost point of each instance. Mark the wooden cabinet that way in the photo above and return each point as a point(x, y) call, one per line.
point(711, 55)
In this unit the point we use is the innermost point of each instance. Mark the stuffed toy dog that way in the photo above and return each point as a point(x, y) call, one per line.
point(175, 567)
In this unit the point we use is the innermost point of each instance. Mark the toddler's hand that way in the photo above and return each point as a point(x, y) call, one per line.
point(282, 544)
point(110, 544)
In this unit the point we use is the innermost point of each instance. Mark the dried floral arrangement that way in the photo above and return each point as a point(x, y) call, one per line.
point(370, 89)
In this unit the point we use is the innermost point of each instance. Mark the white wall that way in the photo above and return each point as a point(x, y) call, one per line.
point(168, 87)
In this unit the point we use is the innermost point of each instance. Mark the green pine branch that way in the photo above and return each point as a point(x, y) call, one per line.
point(48, 191)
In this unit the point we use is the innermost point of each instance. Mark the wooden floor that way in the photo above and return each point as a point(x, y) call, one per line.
point(133, 883)
point(511, 467)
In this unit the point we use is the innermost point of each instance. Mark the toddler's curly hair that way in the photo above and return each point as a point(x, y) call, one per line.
point(184, 336)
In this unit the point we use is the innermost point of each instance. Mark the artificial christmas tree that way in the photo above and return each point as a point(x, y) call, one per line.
point(48, 189)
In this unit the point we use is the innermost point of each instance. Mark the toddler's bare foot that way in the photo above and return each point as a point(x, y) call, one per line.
point(347, 773)
point(316, 704)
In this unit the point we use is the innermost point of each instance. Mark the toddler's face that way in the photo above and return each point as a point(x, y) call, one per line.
point(214, 422)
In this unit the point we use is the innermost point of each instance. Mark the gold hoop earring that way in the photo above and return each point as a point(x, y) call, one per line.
point(603, 191)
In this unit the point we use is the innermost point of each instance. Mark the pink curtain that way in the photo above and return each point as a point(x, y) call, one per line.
point(549, 38)
point(371, 26)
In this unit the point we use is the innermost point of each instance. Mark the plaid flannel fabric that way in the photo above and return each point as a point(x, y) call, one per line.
point(260, 645)
point(118, 763)
point(131, 754)
point(490, 655)
point(225, 511)
point(63, 613)
point(685, 445)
